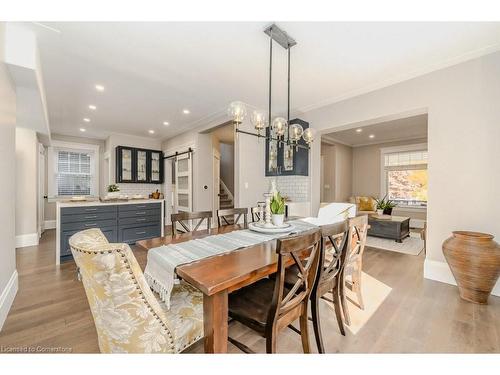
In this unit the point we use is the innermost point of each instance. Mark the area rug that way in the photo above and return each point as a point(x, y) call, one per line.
point(411, 245)
point(374, 294)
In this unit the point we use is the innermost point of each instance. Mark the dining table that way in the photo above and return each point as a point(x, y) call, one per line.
point(217, 276)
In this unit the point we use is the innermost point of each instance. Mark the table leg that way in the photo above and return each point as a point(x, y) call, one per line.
point(215, 313)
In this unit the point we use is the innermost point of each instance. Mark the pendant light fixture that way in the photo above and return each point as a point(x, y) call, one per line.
point(279, 125)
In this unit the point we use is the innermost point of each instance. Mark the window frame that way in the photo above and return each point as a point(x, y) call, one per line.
point(384, 180)
point(52, 166)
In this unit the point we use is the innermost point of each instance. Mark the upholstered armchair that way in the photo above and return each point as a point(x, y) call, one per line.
point(127, 315)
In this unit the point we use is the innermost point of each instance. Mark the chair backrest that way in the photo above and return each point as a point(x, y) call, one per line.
point(181, 217)
point(255, 212)
point(359, 231)
point(287, 303)
point(127, 316)
point(337, 238)
point(222, 216)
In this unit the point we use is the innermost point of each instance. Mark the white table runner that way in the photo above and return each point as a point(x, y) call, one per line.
point(162, 261)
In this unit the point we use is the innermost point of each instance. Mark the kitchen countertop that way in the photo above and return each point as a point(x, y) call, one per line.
point(99, 203)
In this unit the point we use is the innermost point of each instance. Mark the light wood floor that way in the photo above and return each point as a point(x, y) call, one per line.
point(51, 310)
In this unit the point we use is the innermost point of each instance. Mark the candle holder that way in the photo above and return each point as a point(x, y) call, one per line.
point(267, 213)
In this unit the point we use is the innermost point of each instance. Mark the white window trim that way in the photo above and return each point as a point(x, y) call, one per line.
point(383, 180)
point(51, 167)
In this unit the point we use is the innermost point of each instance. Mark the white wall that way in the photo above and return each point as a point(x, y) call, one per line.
point(463, 138)
point(8, 273)
point(26, 187)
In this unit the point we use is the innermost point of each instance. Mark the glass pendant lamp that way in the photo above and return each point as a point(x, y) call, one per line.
point(237, 111)
point(295, 132)
point(259, 120)
point(279, 126)
point(308, 135)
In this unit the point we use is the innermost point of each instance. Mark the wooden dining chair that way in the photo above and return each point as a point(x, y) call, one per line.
point(335, 240)
point(181, 217)
point(354, 262)
point(269, 306)
point(232, 213)
point(256, 212)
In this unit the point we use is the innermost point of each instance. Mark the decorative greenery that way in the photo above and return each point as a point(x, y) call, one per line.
point(277, 204)
point(113, 188)
point(384, 203)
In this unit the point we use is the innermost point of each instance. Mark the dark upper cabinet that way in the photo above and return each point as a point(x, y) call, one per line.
point(286, 160)
point(137, 165)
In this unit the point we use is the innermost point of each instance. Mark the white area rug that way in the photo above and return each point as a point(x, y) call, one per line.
point(374, 294)
point(411, 245)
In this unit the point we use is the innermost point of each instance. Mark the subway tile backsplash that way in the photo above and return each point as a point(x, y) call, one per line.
point(144, 189)
point(294, 187)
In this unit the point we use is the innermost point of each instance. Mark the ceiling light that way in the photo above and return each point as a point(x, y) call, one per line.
point(82, 129)
point(99, 87)
point(371, 136)
point(359, 130)
point(151, 131)
point(166, 123)
point(186, 111)
point(86, 119)
point(92, 107)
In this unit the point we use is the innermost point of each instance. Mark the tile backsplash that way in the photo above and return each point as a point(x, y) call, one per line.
point(295, 187)
point(144, 189)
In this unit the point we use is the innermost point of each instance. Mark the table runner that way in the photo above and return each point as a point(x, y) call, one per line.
point(162, 261)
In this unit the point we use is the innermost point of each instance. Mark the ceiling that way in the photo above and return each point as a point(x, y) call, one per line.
point(414, 127)
point(152, 71)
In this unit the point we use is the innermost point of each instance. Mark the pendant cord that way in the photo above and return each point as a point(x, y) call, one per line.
point(288, 106)
point(270, 70)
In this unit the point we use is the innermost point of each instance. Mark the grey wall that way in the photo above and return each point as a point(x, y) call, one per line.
point(227, 165)
point(463, 133)
point(8, 171)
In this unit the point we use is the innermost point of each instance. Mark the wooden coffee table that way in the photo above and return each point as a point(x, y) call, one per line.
point(393, 227)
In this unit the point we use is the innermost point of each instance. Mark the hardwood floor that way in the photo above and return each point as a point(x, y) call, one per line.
point(417, 316)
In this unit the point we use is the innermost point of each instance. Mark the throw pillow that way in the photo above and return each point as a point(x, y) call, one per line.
point(365, 204)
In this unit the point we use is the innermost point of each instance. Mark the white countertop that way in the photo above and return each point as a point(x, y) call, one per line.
point(99, 203)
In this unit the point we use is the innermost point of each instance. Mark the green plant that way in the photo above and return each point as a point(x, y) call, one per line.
point(384, 203)
point(277, 204)
point(113, 188)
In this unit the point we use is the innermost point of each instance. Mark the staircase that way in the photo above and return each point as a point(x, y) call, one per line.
point(225, 197)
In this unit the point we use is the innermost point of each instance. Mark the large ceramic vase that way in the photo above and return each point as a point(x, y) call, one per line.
point(474, 259)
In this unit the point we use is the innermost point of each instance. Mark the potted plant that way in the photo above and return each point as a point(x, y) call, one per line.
point(380, 205)
point(389, 205)
point(384, 206)
point(277, 209)
point(113, 191)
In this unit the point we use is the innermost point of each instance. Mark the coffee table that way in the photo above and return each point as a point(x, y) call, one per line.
point(392, 227)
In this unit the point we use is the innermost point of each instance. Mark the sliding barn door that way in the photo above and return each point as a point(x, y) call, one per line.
point(184, 183)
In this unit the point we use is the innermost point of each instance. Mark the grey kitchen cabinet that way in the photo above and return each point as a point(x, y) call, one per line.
point(126, 223)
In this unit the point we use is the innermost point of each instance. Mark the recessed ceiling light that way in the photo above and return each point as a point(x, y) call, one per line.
point(86, 119)
point(166, 123)
point(359, 130)
point(99, 87)
point(186, 111)
point(82, 129)
point(371, 136)
point(151, 131)
point(92, 107)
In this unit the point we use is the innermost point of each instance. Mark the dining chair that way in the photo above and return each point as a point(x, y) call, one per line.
point(256, 211)
point(354, 263)
point(181, 217)
point(224, 216)
point(335, 240)
point(269, 306)
point(127, 315)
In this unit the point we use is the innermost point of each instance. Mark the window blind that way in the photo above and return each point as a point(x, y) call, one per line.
point(408, 158)
point(74, 175)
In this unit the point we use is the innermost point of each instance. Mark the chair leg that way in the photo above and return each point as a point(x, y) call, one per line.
point(343, 301)
point(271, 342)
point(304, 332)
point(338, 310)
point(316, 323)
point(356, 281)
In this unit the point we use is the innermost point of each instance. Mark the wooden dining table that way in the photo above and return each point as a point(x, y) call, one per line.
point(219, 275)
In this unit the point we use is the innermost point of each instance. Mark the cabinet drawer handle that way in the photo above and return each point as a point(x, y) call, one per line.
point(91, 209)
point(141, 213)
point(141, 219)
point(91, 217)
point(91, 225)
point(143, 232)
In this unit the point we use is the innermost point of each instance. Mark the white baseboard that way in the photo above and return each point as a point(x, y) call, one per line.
point(49, 224)
point(24, 240)
point(7, 297)
point(440, 271)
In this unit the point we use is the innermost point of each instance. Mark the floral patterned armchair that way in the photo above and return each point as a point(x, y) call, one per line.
point(128, 317)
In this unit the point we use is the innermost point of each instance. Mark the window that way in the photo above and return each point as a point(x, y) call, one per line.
point(72, 169)
point(405, 176)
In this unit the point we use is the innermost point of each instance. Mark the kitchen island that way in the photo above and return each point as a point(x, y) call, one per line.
point(120, 221)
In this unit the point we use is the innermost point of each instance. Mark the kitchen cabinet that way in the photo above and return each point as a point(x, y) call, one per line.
point(136, 165)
